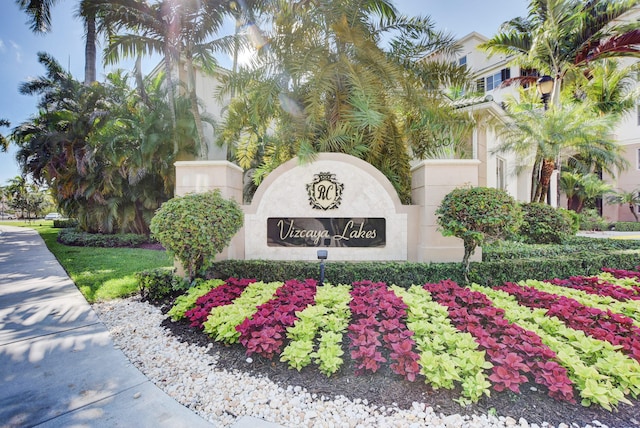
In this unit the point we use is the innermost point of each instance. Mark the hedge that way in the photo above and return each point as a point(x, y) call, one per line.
point(404, 274)
point(626, 226)
point(72, 236)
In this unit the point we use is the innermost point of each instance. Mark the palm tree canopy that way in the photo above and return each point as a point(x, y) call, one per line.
point(321, 80)
point(40, 13)
point(560, 35)
point(560, 132)
point(4, 143)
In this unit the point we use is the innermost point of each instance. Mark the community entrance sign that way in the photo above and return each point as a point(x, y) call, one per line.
point(337, 203)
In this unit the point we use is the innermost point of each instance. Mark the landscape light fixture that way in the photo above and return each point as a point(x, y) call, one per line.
point(322, 256)
point(545, 87)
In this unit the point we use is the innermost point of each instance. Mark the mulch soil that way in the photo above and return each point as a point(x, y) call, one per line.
point(385, 388)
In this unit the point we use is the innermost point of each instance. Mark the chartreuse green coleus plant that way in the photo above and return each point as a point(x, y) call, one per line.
point(318, 332)
point(222, 321)
point(447, 355)
point(601, 374)
point(630, 308)
point(188, 300)
point(629, 283)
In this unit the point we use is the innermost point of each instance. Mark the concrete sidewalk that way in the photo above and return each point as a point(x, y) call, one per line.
point(58, 364)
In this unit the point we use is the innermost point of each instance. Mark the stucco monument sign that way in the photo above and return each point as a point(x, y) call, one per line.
point(338, 203)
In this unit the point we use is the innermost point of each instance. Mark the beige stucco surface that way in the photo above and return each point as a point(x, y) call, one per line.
point(366, 193)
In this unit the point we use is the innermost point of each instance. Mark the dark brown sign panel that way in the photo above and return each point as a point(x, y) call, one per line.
point(326, 232)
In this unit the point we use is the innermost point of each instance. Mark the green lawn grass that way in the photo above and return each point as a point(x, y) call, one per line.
point(99, 273)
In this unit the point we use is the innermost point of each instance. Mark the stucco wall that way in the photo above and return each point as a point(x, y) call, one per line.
point(367, 194)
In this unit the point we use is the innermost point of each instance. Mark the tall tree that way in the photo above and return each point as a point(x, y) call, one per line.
point(105, 154)
point(556, 135)
point(322, 81)
point(39, 12)
point(182, 32)
point(4, 143)
point(559, 37)
point(562, 38)
point(631, 199)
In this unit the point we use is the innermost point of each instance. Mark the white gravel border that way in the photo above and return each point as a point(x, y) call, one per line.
point(190, 375)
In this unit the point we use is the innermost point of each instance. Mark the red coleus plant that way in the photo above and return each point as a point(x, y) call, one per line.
point(378, 317)
point(514, 351)
point(595, 285)
point(615, 328)
point(222, 295)
point(265, 331)
point(621, 273)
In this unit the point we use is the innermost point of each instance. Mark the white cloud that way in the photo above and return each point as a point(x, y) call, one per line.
point(3, 48)
point(18, 50)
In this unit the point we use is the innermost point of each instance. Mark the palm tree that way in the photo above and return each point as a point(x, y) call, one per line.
point(570, 186)
point(323, 83)
point(179, 31)
point(631, 199)
point(609, 85)
point(18, 188)
point(40, 13)
point(557, 134)
point(563, 38)
point(4, 143)
point(559, 37)
point(106, 155)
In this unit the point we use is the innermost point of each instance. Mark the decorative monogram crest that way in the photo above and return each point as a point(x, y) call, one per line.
point(325, 193)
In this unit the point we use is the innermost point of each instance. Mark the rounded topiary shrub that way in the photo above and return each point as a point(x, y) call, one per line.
point(544, 224)
point(196, 227)
point(477, 215)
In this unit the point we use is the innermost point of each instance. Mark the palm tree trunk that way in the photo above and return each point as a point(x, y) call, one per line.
point(140, 81)
point(545, 178)
point(191, 84)
point(632, 208)
point(172, 97)
point(90, 49)
point(535, 180)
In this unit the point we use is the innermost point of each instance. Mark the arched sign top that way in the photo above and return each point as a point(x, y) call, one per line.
point(326, 184)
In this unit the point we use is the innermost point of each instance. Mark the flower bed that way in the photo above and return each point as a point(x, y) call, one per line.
point(570, 338)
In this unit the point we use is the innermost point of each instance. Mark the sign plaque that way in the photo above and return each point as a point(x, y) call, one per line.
point(326, 232)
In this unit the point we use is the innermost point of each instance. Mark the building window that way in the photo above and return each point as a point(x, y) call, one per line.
point(638, 159)
point(480, 85)
point(501, 173)
point(529, 72)
point(494, 81)
point(638, 113)
point(462, 61)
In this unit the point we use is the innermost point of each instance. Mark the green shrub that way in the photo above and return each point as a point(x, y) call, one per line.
point(584, 264)
point(543, 224)
point(65, 223)
point(158, 284)
point(477, 215)
point(572, 217)
point(502, 261)
point(573, 246)
point(196, 227)
point(402, 274)
point(591, 220)
point(626, 226)
point(72, 236)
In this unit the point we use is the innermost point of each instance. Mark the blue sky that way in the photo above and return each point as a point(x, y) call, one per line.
point(19, 47)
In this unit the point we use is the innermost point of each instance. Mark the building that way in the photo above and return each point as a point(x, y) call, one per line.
point(499, 170)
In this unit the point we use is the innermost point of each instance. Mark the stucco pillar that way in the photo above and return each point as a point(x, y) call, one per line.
point(432, 180)
point(203, 175)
